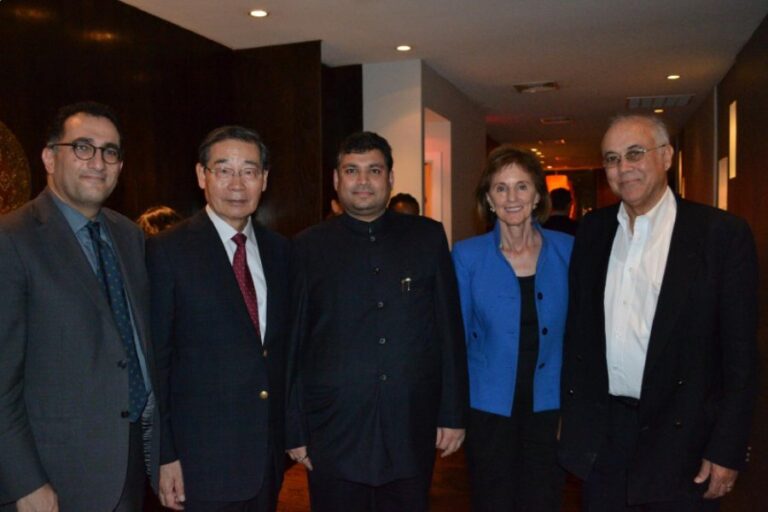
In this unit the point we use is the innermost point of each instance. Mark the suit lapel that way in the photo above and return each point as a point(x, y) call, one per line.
point(269, 266)
point(205, 240)
point(63, 248)
point(679, 274)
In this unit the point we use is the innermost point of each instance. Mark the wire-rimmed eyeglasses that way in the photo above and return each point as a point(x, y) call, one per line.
point(227, 174)
point(634, 154)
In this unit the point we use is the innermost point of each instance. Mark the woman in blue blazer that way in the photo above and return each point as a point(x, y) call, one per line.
point(513, 283)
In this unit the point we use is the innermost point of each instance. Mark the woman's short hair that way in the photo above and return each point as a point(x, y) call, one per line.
point(504, 156)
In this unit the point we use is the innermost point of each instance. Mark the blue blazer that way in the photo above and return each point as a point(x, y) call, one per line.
point(490, 305)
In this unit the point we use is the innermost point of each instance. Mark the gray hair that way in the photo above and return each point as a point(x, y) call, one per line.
point(661, 133)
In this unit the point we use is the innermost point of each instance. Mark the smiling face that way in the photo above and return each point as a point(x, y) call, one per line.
point(83, 184)
point(512, 194)
point(641, 184)
point(363, 183)
point(235, 199)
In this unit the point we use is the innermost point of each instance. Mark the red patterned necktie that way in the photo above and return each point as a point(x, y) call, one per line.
point(245, 281)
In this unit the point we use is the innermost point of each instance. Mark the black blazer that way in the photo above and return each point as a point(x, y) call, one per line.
point(700, 383)
point(221, 393)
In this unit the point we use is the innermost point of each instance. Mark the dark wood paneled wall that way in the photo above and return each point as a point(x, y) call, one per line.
point(170, 87)
point(746, 83)
point(277, 91)
point(342, 115)
point(698, 141)
point(161, 79)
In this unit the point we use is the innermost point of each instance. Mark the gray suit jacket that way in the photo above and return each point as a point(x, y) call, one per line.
point(62, 391)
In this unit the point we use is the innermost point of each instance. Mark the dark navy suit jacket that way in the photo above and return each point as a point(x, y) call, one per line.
point(221, 393)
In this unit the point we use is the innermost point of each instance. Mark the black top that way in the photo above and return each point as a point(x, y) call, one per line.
point(529, 344)
point(382, 359)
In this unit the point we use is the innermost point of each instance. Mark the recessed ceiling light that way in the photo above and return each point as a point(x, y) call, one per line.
point(673, 77)
point(403, 48)
point(535, 150)
point(259, 13)
point(549, 167)
point(658, 111)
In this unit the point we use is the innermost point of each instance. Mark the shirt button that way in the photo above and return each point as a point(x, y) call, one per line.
point(263, 395)
point(380, 304)
point(122, 364)
point(544, 331)
point(382, 341)
point(373, 238)
point(540, 295)
point(125, 414)
point(383, 377)
point(542, 365)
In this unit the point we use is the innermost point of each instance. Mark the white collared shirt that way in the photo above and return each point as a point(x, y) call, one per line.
point(226, 232)
point(635, 271)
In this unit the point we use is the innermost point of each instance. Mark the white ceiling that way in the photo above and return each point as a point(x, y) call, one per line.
point(599, 51)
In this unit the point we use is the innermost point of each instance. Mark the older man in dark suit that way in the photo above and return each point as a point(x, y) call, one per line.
point(74, 365)
point(220, 310)
point(659, 372)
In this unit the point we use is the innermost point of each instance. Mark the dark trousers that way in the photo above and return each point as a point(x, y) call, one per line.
point(132, 498)
point(264, 501)
point(512, 461)
point(605, 490)
point(330, 494)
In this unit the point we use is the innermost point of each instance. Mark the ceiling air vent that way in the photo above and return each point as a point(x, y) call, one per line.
point(649, 102)
point(534, 87)
point(556, 120)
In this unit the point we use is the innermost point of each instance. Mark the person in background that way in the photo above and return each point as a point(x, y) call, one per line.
point(404, 203)
point(559, 219)
point(379, 374)
point(220, 320)
point(157, 218)
point(660, 365)
point(513, 283)
point(76, 364)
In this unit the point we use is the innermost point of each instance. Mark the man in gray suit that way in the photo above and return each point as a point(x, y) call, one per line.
point(74, 361)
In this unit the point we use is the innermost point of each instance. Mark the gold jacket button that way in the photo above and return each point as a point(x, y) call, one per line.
point(263, 395)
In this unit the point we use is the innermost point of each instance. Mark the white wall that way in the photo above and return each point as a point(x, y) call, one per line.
point(395, 95)
point(468, 138)
point(392, 108)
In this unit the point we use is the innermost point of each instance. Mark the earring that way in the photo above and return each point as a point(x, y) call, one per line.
point(493, 210)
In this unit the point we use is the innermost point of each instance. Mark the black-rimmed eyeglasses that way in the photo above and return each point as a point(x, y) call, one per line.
point(86, 151)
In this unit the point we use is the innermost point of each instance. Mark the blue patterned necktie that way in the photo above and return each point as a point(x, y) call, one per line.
point(112, 284)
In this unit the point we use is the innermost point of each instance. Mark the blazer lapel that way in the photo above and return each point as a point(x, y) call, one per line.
point(679, 274)
point(602, 251)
